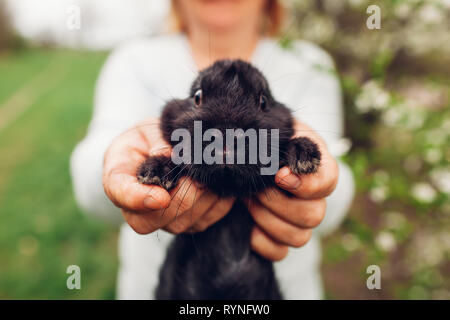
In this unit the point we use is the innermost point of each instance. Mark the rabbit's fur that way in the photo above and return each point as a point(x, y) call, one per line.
point(218, 263)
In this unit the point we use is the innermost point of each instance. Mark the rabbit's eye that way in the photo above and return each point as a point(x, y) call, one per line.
point(263, 102)
point(198, 98)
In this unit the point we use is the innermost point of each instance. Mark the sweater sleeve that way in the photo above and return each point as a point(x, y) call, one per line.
point(121, 100)
point(320, 106)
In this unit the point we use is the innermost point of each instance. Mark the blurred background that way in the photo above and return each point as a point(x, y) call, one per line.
point(396, 84)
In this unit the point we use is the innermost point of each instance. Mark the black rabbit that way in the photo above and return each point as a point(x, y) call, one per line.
point(218, 263)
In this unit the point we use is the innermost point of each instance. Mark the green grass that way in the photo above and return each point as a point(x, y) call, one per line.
point(42, 231)
point(17, 69)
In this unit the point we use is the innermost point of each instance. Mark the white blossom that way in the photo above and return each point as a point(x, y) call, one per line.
point(378, 194)
point(441, 179)
point(392, 116)
point(423, 192)
point(372, 97)
point(386, 241)
point(431, 14)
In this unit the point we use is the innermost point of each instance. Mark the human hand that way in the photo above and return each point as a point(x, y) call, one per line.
point(283, 221)
point(147, 208)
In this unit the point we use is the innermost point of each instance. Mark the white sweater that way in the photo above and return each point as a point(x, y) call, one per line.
point(135, 83)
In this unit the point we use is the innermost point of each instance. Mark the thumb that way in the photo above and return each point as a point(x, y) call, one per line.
point(160, 148)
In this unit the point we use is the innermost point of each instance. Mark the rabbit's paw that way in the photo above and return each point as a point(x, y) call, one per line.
point(158, 170)
point(303, 156)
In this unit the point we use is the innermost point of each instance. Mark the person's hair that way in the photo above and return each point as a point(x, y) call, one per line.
point(272, 24)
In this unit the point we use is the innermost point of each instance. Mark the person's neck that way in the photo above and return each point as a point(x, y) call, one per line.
point(208, 46)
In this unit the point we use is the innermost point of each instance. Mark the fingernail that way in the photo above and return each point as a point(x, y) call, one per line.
point(288, 179)
point(159, 149)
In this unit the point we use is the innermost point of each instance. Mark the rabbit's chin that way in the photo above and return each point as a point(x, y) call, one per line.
point(232, 180)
